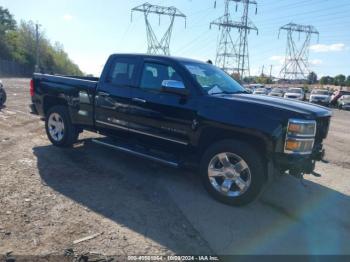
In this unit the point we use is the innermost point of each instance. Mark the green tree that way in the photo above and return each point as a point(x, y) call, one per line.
point(312, 78)
point(7, 22)
point(339, 80)
point(327, 80)
point(347, 83)
point(18, 43)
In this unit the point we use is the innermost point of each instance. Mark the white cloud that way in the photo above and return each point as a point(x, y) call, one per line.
point(278, 58)
point(316, 62)
point(67, 17)
point(320, 48)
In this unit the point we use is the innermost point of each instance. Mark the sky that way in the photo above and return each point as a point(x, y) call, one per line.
point(92, 30)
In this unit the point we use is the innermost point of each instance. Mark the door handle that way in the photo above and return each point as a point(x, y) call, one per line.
point(103, 94)
point(135, 99)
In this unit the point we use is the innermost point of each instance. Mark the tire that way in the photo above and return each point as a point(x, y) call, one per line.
point(2, 97)
point(252, 172)
point(59, 128)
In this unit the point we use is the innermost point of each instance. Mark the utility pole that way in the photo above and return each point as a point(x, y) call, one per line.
point(233, 56)
point(296, 64)
point(156, 46)
point(270, 71)
point(37, 56)
point(262, 70)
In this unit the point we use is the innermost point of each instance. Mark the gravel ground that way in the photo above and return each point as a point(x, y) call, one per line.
point(51, 197)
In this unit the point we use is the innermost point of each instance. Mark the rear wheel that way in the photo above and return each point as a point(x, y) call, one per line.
point(2, 97)
point(233, 172)
point(59, 128)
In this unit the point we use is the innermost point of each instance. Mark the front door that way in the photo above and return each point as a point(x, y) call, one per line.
point(167, 117)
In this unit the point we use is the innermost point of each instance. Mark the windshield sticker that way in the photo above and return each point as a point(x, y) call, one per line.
point(214, 90)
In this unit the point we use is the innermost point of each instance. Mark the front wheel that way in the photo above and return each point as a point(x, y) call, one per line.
point(233, 172)
point(59, 129)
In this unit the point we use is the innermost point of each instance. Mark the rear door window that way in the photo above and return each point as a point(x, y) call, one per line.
point(122, 72)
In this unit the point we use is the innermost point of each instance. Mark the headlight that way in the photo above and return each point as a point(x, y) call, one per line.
point(300, 136)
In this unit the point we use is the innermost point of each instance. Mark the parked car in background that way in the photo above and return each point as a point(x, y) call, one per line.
point(250, 91)
point(320, 96)
point(2, 95)
point(336, 95)
point(344, 102)
point(277, 92)
point(295, 93)
point(260, 91)
point(268, 89)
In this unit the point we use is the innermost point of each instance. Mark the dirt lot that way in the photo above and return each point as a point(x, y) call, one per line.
point(50, 197)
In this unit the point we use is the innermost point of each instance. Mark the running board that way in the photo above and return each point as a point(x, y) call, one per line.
point(139, 153)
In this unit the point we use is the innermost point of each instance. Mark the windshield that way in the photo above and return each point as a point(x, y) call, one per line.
point(320, 92)
point(212, 79)
point(294, 90)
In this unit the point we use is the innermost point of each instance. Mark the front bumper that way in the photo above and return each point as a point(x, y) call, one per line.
point(294, 97)
point(346, 106)
point(299, 163)
point(320, 102)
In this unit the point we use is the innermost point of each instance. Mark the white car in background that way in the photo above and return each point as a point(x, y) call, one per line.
point(295, 93)
point(260, 91)
point(344, 102)
point(277, 92)
point(320, 96)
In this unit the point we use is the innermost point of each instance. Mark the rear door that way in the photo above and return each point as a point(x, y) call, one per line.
point(113, 96)
point(165, 116)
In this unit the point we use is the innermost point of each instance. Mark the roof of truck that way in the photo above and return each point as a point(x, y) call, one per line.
point(175, 58)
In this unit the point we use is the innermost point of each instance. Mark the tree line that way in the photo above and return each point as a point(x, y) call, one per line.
point(18, 43)
point(312, 78)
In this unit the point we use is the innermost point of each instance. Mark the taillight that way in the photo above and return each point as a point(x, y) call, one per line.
point(31, 90)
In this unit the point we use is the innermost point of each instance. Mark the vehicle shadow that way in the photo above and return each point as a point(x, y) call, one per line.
point(121, 188)
point(157, 202)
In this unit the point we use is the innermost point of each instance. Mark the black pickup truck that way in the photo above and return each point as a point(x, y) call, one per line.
point(183, 112)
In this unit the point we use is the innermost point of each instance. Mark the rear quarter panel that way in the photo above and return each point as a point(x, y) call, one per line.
point(78, 95)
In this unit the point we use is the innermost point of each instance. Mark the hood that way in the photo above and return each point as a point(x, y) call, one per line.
point(307, 109)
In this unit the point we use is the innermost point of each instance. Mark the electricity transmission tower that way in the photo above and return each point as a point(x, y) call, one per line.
point(233, 56)
point(154, 45)
point(296, 64)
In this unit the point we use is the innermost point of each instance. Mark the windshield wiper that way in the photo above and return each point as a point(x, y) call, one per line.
point(222, 92)
point(229, 93)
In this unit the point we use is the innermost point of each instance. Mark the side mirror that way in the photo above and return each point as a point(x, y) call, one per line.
point(174, 87)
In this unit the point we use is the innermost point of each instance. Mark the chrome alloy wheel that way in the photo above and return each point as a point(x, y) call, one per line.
point(56, 127)
point(229, 174)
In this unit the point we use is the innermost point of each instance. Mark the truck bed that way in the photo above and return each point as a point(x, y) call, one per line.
point(78, 93)
point(68, 80)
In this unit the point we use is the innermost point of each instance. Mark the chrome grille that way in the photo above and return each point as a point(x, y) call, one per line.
point(322, 128)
